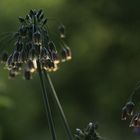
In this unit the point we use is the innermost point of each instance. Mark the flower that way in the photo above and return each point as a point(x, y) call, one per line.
point(127, 110)
point(89, 133)
point(135, 122)
point(34, 44)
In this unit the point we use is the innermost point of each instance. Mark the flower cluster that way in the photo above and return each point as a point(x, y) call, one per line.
point(128, 111)
point(89, 133)
point(34, 44)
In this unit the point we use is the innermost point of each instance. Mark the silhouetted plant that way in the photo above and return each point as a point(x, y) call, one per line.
point(35, 52)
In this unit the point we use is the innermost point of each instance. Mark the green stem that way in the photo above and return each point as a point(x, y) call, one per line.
point(63, 117)
point(47, 105)
point(137, 87)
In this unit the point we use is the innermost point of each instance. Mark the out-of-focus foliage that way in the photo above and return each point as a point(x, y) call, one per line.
point(104, 37)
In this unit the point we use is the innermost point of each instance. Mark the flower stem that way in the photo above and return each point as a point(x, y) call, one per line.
point(63, 117)
point(137, 87)
point(46, 102)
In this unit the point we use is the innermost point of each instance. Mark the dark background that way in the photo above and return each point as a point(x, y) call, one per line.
point(105, 40)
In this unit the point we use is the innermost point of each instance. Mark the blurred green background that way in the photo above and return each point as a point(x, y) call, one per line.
point(105, 40)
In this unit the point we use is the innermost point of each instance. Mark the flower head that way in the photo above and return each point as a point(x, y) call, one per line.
point(89, 133)
point(127, 110)
point(34, 44)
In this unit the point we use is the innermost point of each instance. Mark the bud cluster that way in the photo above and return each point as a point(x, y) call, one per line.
point(89, 133)
point(128, 112)
point(34, 44)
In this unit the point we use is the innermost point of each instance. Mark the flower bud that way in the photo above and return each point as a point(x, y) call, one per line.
point(124, 113)
point(55, 57)
point(130, 107)
point(15, 56)
point(51, 46)
point(37, 38)
point(61, 30)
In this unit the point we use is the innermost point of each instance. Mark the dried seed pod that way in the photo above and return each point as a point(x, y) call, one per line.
point(4, 56)
point(61, 30)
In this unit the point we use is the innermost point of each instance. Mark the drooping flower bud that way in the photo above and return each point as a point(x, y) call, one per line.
point(32, 54)
point(15, 57)
point(51, 46)
point(61, 30)
point(55, 57)
point(30, 66)
point(23, 31)
point(19, 46)
point(124, 113)
point(68, 50)
point(130, 107)
point(135, 122)
point(37, 38)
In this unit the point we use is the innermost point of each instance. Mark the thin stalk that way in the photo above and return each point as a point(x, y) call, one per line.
point(63, 117)
point(134, 91)
point(47, 105)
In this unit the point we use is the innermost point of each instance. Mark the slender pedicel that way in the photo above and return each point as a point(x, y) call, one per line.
point(47, 105)
point(66, 125)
